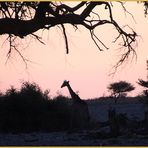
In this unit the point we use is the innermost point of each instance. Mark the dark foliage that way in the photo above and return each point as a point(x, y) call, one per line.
point(119, 89)
point(30, 109)
point(144, 96)
point(143, 83)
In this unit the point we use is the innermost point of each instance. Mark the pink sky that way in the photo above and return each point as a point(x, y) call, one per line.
point(85, 66)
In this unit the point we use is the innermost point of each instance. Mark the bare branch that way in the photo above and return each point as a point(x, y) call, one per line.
point(69, 9)
point(92, 36)
point(65, 37)
point(38, 38)
point(12, 39)
point(28, 17)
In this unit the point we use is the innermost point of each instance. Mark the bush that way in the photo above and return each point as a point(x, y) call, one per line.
point(30, 109)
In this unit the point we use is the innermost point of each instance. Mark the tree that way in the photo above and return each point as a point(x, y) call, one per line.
point(145, 85)
point(20, 19)
point(144, 98)
point(120, 88)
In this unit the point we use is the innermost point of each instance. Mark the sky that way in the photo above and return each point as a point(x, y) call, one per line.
point(87, 68)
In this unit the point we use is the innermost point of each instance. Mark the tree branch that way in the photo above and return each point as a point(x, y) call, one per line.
point(29, 17)
point(65, 37)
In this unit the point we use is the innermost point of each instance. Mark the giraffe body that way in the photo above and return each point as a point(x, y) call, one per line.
point(79, 109)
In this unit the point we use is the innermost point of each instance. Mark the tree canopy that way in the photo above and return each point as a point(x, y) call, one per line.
point(118, 88)
point(143, 83)
point(20, 19)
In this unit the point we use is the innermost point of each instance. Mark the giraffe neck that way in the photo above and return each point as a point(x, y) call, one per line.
point(74, 96)
point(70, 91)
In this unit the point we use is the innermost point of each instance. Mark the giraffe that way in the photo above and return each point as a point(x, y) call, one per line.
point(79, 117)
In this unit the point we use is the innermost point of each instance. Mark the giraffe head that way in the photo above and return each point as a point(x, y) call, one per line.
point(65, 83)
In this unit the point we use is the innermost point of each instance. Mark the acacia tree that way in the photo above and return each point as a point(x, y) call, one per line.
point(144, 83)
point(20, 19)
point(120, 88)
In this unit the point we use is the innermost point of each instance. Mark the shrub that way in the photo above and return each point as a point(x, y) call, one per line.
point(30, 109)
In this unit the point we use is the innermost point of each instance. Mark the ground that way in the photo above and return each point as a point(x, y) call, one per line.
point(98, 112)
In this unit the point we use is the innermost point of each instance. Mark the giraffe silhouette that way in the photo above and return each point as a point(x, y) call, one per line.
point(79, 117)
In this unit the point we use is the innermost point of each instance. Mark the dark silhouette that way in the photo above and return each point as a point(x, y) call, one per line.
point(30, 109)
point(19, 19)
point(79, 109)
point(144, 84)
point(144, 96)
point(119, 89)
